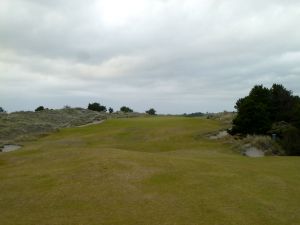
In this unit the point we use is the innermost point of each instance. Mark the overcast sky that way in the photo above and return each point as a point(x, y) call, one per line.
point(174, 55)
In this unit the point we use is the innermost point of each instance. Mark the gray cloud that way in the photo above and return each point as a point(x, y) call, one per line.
point(176, 56)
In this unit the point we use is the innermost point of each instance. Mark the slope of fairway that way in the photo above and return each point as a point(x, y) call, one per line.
point(157, 170)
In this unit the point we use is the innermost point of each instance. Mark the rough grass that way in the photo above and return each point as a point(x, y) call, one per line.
point(157, 170)
point(264, 143)
point(23, 126)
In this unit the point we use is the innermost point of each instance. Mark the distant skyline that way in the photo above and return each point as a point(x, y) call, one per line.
point(172, 55)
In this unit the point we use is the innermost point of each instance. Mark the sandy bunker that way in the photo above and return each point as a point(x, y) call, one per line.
point(254, 152)
point(10, 148)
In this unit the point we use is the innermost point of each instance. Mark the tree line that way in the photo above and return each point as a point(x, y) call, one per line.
point(101, 108)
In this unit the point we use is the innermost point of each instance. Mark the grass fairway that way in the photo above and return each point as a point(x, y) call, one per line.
point(157, 170)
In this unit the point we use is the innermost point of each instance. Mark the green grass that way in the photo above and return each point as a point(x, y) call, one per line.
point(157, 170)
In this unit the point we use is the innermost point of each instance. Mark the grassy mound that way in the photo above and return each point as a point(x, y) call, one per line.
point(20, 126)
point(156, 170)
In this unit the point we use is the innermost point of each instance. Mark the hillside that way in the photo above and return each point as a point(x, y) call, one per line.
point(22, 126)
point(155, 170)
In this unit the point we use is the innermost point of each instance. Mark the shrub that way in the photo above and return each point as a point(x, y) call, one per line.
point(110, 110)
point(196, 114)
point(126, 109)
point(151, 111)
point(97, 107)
point(40, 108)
point(291, 141)
point(288, 137)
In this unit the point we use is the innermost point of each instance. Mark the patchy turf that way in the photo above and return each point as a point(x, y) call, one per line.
point(156, 170)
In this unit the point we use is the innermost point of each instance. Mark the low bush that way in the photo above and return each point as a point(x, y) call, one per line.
point(97, 107)
point(288, 137)
point(40, 108)
point(126, 109)
point(151, 111)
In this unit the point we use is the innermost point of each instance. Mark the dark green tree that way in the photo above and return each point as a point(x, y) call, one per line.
point(295, 114)
point(126, 109)
point(1, 110)
point(282, 103)
point(253, 112)
point(110, 110)
point(97, 107)
point(252, 117)
point(151, 111)
point(40, 108)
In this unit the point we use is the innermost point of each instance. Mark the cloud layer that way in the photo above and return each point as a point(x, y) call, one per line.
point(176, 56)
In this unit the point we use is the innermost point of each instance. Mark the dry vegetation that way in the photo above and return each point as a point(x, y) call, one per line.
point(22, 126)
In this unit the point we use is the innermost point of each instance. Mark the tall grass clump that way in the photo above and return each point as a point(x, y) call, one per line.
point(264, 143)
